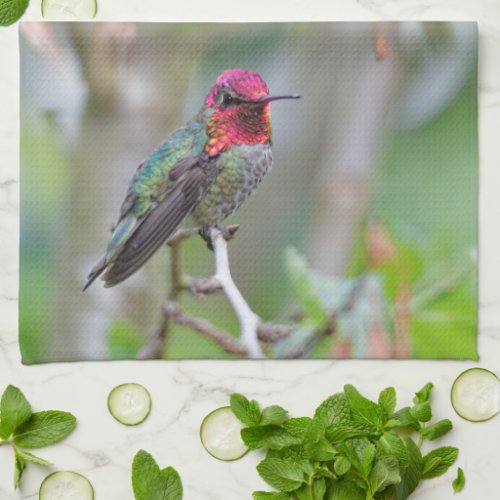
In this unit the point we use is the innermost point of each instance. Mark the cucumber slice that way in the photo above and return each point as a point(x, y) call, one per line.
point(69, 10)
point(66, 485)
point(220, 435)
point(130, 404)
point(475, 395)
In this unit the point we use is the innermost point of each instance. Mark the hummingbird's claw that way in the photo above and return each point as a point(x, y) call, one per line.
point(227, 232)
point(204, 232)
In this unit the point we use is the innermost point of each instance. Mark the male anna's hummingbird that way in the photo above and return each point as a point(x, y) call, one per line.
point(207, 168)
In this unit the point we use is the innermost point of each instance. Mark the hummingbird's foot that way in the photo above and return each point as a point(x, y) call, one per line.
point(204, 232)
point(227, 232)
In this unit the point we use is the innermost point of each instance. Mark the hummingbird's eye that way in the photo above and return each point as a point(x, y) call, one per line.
point(227, 99)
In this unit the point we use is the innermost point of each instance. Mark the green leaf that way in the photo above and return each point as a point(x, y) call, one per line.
point(19, 466)
point(342, 465)
point(387, 400)
point(422, 411)
point(344, 489)
point(341, 432)
point(316, 445)
point(12, 10)
point(145, 472)
point(273, 415)
point(271, 495)
point(303, 287)
point(361, 453)
point(438, 461)
point(29, 457)
point(281, 474)
point(247, 412)
point(436, 430)
point(14, 411)
point(167, 486)
point(44, 428)
point(411, 475)
point(403, 418)
point(319, 488)
point(267, 436)
point(385, 472)
point(424, 394)
point(459, 482)
point(392, 444)
point(362, 409)
point(297, 426)
point(334, 410)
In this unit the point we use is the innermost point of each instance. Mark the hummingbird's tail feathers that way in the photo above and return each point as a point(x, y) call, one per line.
point(157, 226)
point(95, 273)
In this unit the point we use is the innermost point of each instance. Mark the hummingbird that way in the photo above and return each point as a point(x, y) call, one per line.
point(206, 169)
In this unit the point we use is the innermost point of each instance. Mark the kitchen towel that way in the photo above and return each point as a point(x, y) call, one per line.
point(360, 243)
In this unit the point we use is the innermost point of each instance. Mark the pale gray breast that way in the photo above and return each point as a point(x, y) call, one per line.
point(241, 169)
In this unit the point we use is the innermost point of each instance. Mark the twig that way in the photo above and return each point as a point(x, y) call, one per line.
point(155, 347)
point(249, 321)
point(230, 344)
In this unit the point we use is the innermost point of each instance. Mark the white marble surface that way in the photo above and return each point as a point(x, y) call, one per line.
point(184, 392)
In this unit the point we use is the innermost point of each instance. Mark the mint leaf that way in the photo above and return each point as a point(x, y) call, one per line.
point(344, 489)
point(11, 11)
point(361, 453)
point(362, 410)
point(281, 474)
point(334, 410)
point(264, 495)
point(387, 400)
point(319, 488)
point(44, 428)
point(436, 430)
point(247, 412)
point(438, 461)
point(273, 415)
point(393, 445)
point(384, 473)
point(14, 411)
point(267, 436)
point(424, 394)
point(316, 445)
point(341, 432)
point(403, 418)
point(297, 426)
point(167, 486)
point(459, 482)
point(422, 411)
point(19, 466)
point(341, 465)
point(29, 457)
point(145, 472)
point(411, 475)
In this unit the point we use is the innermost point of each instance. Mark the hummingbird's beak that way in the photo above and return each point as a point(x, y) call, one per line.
point(269, 98)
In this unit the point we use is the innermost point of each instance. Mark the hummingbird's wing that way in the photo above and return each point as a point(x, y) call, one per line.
point(160, 222)
point(164, 190)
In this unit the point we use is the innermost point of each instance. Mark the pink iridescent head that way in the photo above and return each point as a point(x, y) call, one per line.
point(238, 83)
point(240, 100)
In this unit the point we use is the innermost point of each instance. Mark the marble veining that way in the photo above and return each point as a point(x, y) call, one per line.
point(184, 392)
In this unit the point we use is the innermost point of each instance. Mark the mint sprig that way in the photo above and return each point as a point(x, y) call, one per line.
point(21, 428)
point(149, 482)
point(351, 449)
point(11, 11)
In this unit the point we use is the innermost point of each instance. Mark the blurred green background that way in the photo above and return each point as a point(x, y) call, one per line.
point(372, 199)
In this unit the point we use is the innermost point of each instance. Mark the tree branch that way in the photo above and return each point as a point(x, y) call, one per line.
point(249, 321)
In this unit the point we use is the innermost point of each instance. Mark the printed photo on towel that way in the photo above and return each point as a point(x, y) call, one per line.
point(143, 145)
